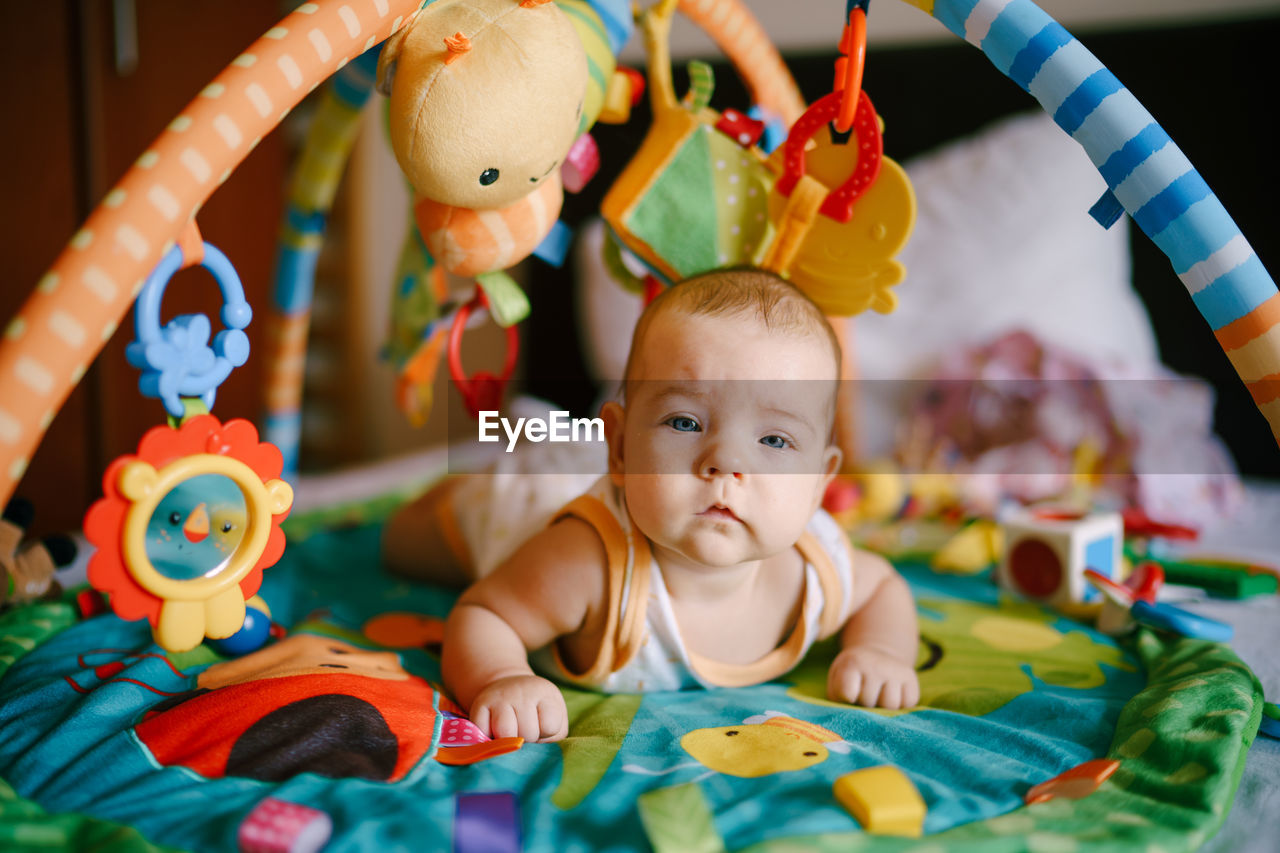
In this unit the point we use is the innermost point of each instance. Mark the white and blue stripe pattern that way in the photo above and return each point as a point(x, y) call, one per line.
point(1146, 172)
point(305, 222)
point(314, 183)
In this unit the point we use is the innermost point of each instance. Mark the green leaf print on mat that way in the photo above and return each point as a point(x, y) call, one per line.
point(598, 724)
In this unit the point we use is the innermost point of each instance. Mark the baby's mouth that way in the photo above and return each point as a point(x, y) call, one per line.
point(717, 512)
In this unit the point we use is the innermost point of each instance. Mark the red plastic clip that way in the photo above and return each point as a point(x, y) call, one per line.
point(838, 204)
point(636, 80)
point(483, 391)
point(1145, 580)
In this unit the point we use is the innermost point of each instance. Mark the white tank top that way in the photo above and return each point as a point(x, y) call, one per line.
point(641, 649)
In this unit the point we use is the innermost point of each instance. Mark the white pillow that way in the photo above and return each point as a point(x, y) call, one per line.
point(1003, 240)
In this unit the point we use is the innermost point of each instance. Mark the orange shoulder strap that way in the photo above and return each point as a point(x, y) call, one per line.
point(829, 579)
point(623, 631)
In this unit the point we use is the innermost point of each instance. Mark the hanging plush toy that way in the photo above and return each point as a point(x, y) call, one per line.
point(487, 98)
point(829, 212)
point(490, 103)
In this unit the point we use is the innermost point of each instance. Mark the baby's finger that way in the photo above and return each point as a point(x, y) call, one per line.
point(553, 721)
point(505, 723)
point(843, 685)
point(527, 721)
point(480, 716)
point(911, 692)
point(891, 695)
point(869, 695)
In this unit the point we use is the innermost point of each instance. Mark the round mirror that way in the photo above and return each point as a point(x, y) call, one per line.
point(197, 527)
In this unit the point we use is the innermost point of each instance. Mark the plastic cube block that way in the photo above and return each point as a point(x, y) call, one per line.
point(883, 800)
point(1047, 551)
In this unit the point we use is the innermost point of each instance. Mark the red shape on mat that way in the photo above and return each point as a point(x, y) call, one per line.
point(1080, 781)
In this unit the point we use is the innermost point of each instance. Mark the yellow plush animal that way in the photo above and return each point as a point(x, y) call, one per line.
point(486, 98)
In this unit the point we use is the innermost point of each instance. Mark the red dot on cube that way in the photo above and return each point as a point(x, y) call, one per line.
point(1035, 568)
point(1048, 550)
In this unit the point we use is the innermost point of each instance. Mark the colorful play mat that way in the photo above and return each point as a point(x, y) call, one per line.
point(335, 735)
point(100, 731)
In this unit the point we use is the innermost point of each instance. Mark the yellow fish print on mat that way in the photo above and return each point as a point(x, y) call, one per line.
point(771, 742)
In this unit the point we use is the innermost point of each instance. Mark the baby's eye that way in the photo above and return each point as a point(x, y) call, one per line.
point(488, 176)
point(680, 423)
point(774, 441)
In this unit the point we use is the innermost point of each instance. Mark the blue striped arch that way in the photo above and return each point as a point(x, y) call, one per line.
point(303, 227)
point(1144, 169)
point(305, 217)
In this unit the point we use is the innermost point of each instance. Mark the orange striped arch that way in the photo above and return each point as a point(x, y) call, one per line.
point(77, 305)
point(740, 37)
point(1252, 344)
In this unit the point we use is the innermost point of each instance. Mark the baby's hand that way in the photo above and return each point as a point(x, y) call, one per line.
point(521, 705)
point(864, 675)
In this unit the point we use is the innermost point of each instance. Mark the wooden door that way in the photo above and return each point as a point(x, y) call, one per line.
point(88, 111)
point(39, 210)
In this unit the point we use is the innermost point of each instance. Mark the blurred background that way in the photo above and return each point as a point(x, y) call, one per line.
point(89, 83)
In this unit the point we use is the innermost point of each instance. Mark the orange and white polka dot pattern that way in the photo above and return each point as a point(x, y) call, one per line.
point(739, 35)
point(77, 305)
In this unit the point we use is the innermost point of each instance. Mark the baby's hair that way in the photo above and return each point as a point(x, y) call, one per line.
point(742, 291)
point(736, 291)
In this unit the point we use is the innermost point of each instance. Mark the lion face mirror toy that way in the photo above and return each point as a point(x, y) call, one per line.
point(189, 521)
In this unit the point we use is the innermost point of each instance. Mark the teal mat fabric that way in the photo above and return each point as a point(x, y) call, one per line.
point(1016, 696)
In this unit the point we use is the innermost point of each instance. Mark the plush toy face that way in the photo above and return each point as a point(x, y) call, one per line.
point(482, 120)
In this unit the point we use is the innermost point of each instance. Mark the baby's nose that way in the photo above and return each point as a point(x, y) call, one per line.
point(721, 459)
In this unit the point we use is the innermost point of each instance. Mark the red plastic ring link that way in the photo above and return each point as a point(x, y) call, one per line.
point(483, 391)
point(838, 204)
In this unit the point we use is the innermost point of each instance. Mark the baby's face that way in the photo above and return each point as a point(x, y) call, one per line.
point(722, 450)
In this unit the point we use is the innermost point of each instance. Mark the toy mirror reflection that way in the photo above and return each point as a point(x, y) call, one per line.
point(197, 527)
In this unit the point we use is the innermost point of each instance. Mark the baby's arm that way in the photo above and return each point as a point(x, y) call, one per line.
point(547, 589)
point(877, 664)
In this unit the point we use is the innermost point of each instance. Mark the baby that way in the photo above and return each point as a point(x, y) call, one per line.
point(703, 558)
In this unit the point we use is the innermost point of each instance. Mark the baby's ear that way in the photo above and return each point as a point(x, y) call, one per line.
point(615, 419)
point(831, 458)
